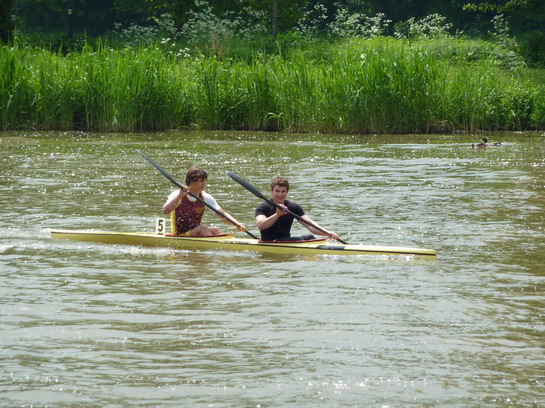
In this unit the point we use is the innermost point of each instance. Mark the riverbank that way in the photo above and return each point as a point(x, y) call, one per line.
point(381, 85)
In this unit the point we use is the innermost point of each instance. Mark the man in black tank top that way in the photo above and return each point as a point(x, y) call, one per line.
point(275, 222)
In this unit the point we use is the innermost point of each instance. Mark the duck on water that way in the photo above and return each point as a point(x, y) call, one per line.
point(485, 143)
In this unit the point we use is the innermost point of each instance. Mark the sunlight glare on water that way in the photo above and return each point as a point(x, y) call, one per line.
point(88, 324)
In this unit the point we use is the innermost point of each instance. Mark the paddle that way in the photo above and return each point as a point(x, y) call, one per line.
point(168, 176)
point(258, 194)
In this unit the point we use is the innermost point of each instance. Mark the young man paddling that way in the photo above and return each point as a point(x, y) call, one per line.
point(186, 211)
point(275, 222)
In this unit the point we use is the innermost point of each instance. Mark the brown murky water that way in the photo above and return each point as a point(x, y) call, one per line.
point(98, 325)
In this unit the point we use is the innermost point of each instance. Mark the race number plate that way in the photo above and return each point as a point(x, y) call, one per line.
point(160, 226)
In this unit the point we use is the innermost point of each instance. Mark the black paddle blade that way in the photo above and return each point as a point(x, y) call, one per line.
point(246, 185)
point(161, 170)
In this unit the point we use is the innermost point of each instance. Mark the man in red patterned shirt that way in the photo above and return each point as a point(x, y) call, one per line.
point(186, 211)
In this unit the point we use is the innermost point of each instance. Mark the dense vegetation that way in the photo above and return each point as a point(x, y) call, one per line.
point(99, 17)
point(347, 73)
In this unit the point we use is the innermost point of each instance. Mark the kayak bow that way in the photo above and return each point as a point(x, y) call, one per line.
point(230, 242)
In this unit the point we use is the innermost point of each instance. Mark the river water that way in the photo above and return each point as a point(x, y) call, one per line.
point(94, 325)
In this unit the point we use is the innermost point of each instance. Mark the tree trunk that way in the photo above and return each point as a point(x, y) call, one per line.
point(274, 17)
point(6, 20)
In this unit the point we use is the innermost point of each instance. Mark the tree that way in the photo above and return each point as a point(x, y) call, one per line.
point(523, 15)
point(92, 17)
point(274, 17)
point(6, 20)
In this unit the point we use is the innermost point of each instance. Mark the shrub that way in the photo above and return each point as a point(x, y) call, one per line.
point(532, 48)
point(431, 26)
point(348, 25)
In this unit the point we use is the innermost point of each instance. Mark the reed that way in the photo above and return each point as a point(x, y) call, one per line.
point(359, 86)
point(130, 90)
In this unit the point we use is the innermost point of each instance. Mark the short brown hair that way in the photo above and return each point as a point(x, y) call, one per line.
point(195, 174)
point(280, 181)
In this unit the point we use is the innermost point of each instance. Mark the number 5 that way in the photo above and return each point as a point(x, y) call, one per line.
point(160, 226)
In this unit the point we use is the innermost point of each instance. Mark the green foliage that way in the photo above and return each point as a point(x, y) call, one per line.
point(532, 48)
point(430, 26)
point(383, 88)
point(479, 98)
point(203, 25)
point(379, 85)
point(499, 7)
point(96, 90)
point(348, 25)
point(15, 89)
point(162, 29)
point(212, 26)
point(538, 111)
point(203, 31)
point(313, 21)
point(506, 46)
point(91, 17)
point(6, 21)
point(213, 64)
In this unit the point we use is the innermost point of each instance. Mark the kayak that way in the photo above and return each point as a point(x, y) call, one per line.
point(230, 242)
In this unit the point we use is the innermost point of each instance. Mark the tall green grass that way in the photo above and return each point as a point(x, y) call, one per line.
point(366, 86)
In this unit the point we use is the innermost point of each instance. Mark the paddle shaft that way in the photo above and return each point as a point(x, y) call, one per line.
point(169, 177)
point(244, 183)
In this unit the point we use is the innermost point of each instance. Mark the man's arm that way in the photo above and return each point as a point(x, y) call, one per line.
point(263, 222)
point(241, 227)
point(327, 233)
point(174, 200)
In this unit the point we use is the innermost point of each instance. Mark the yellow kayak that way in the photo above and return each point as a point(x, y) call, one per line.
point(229, 241)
